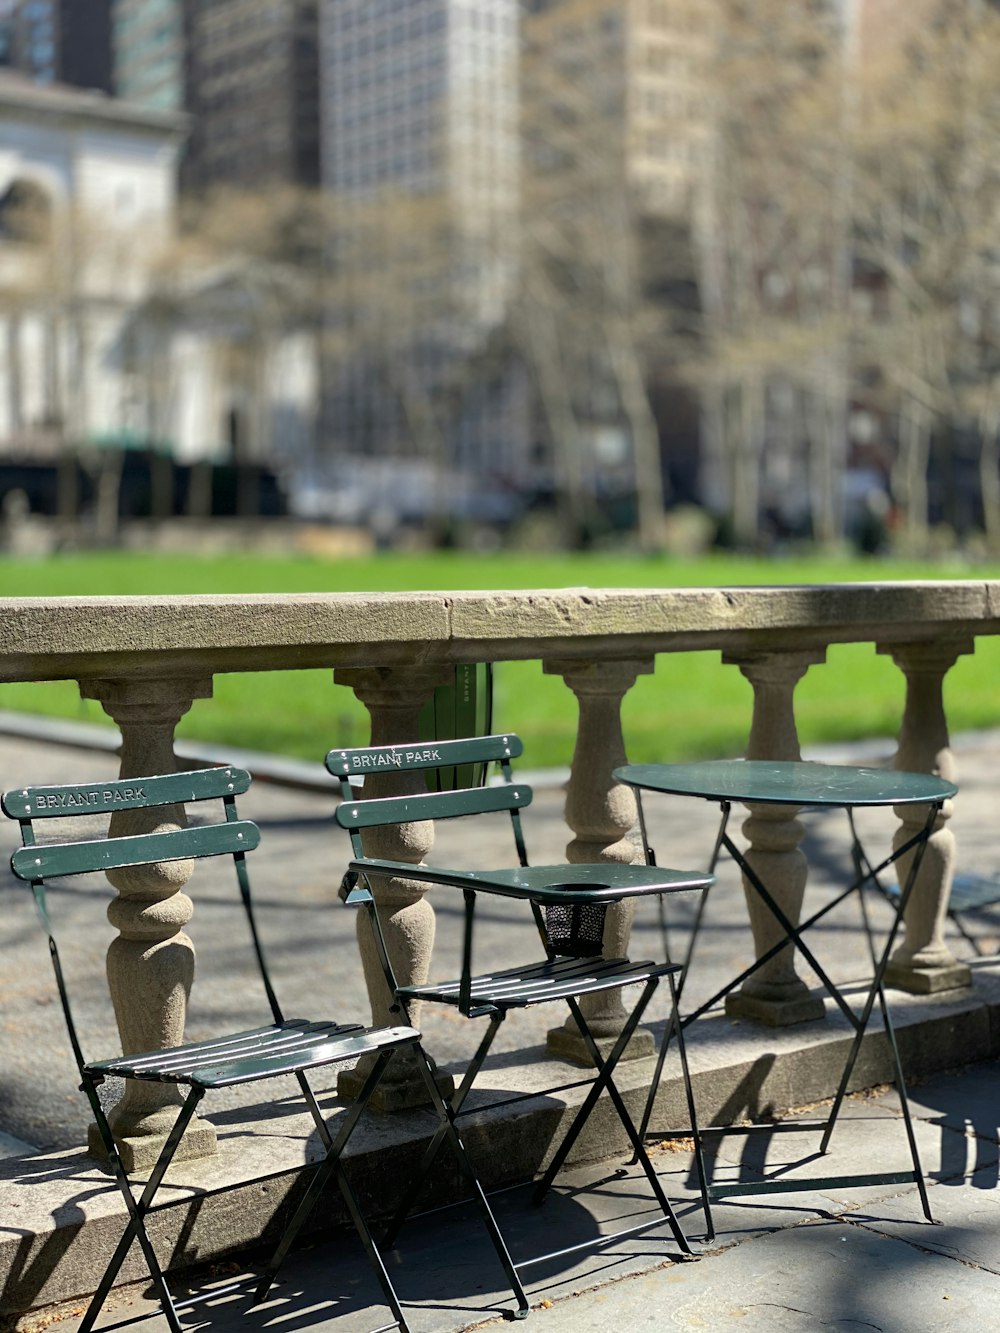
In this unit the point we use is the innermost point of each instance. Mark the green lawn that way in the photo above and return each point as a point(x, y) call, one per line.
point(691, 706)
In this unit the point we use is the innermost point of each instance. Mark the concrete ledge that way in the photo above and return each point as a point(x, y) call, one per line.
point(131, 638)
point(61, 1215)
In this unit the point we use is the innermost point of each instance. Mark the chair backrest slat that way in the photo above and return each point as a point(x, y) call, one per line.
point(433, 805)
point(43, 860)
point(93, 798)
point(427, 754)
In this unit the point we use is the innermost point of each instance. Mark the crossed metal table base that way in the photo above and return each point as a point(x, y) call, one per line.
point(800, 785)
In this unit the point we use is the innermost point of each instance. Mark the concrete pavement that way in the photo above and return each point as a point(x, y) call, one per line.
point(848, 1259)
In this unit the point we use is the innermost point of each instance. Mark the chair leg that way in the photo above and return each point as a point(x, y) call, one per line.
point(699, 1156)
point(661, 1056)
point(331, 1165)
point(450, 1131)
point(371, 1249)
point(604, 1081)
point(601, 1081)
point(434, 1147)
point(673, 1025)
point(138, 1208)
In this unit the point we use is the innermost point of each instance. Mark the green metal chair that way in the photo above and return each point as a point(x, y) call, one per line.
point(286, 1046)
point(568, 902)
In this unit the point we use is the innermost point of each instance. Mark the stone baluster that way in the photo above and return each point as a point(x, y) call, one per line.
point(774, 994)
point(601, 814)
point(151, 962)
point(923, 963)
point(394, 697)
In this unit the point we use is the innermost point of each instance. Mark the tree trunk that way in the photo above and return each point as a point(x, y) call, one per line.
point(161, 485)
point(428, 437)
point(199, 494)
point(826, 414)
point(746, 441)
point(109, 481)
point(647, 465)
point(551, 381)
point(989, 475)
point(909, 474)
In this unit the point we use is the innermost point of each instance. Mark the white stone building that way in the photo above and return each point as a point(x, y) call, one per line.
point(97, 351)
point(87, 196)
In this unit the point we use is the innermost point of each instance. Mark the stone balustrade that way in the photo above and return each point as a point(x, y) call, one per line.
point(147, 659)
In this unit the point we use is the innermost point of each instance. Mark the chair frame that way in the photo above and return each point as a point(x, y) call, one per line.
point(558, 978)
point(287, 1046)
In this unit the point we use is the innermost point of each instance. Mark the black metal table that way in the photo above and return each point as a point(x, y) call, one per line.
point(819, 786)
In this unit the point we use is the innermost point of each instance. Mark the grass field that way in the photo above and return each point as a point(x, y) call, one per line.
point(691, 706)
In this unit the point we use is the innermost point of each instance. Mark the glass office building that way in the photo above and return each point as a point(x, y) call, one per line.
point(148, 43)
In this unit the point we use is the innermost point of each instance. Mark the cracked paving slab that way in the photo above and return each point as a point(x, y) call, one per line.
point(820, 1277)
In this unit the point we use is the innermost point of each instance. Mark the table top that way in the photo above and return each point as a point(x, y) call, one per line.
point(551, 886)
point(774, 782)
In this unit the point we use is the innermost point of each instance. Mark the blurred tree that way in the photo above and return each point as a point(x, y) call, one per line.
point(771, 228)
point(791, 208)
point(245, 271)
point(926, 224)
point(582, 318)
point(846, 229)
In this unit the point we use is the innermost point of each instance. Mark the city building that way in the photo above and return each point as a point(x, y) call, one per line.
point(617, 89)
point(253, 92)
point(63, 41)
point(421, 162)
point(86, 198)
point(109, 341)
point(245, 71)
point(148, 39)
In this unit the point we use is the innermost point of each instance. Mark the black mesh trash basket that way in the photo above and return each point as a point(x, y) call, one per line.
point(576, 931)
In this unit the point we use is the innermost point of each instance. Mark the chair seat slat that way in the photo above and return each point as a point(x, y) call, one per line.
point(178, 1058)
point(235, 1039)
point(320, 1053)
point(265, 1053)
point(542, 982)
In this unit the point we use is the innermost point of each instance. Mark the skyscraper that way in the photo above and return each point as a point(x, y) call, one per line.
point(253, 91)
point(246, 72)
point(419, 123)
point(148, 42)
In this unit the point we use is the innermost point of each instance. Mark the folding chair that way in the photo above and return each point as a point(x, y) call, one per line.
point(286, 1046)
point(568, 903)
